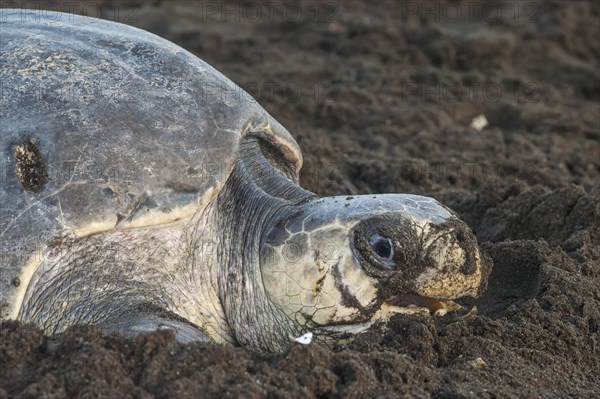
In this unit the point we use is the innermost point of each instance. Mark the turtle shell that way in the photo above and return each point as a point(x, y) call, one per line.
point(104, 126)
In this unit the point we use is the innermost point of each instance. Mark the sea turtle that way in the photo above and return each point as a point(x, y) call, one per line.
point(142, 189)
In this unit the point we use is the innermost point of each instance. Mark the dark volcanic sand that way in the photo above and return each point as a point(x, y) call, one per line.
point(380, 97)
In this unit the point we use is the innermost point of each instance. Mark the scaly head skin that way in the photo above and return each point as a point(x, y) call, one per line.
point(337, 265)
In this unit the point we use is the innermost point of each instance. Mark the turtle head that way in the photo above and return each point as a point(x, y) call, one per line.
point(337, 265)
point(331, 266)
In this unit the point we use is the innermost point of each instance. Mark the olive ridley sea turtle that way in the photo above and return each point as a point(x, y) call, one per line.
point(141, 189)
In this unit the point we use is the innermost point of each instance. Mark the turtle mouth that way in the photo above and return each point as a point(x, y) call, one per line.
point(399, 304)
point(410, 303)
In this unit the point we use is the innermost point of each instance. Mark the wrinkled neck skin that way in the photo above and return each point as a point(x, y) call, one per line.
point(255, 195)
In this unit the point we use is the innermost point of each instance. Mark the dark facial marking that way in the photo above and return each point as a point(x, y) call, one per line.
point(385, 244)
point(348, 299)
point(319, 285)
point(395, 272)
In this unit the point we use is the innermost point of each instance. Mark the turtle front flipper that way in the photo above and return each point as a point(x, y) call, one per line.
point(126, 282)
point(148, 317)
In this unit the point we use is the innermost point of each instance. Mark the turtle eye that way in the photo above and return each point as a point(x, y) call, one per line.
point(384, 249)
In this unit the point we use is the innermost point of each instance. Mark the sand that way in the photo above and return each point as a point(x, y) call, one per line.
point(382, 97)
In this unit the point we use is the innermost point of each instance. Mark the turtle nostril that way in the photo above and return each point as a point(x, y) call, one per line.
point(467, 242)
point(470, 266)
